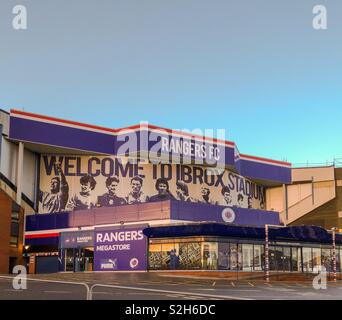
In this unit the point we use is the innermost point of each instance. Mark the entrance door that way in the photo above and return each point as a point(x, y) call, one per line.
point(69, 259)
point(287, 259)
point(79, 263)
point(79, 259)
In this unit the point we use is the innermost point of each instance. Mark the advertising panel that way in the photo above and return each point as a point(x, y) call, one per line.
point(76, 239)
point(71, 183)
point(120, 249)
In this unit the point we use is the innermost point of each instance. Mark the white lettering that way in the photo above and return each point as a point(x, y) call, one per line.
point(20, 20)
point(320, 21)
point(20, 281)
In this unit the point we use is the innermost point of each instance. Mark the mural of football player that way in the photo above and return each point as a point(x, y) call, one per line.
point(162, 186)
point(240, 199)
point(262, 205)
point(85, 198)
point(227, 198)
point(183, 192)
point(205, 193)
point(110, 198)
point(136, 195)
point(250, 202)
point(57, 198)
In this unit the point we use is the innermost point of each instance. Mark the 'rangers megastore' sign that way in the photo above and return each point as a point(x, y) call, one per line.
point(120, 249)
point(70, 183)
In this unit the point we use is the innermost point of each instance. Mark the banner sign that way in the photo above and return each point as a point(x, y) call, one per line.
point(71, 183)
point(76, 239)
point(150, 142)
point(120, 249)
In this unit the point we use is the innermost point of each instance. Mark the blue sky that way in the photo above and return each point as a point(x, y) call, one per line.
point(256, 68)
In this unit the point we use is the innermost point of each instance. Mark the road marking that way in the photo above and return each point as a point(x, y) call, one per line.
point(214, 283)
point(251, 284)
point(14, 290)
point(207, 289)
point(51, 291)
point(248, 290)
point(233, 285)
point(172, 292)
point(281, 289)
point(99, 292)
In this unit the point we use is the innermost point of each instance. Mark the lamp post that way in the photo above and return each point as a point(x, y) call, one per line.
point(334, 251)
point(267, 271)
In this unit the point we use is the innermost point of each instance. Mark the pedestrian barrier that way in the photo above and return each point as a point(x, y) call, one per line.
point(89, 294)
point(54, 281)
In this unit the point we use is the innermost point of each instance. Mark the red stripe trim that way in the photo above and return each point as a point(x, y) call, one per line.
point(33, 115)
point(42, 235)
point(230, 143)
point(265, 159)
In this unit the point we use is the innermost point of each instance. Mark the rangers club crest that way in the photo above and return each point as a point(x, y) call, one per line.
point(228, 215)
point(134, 263)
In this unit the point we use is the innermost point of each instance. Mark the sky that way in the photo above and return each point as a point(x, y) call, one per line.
point(256, 68)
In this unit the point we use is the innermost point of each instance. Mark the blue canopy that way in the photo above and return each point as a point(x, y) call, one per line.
point(309, 234)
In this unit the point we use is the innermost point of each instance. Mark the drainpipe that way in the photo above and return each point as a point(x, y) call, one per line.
point(285, 201)
point(312, 190)
point(267, 271)
point(19, 180)
point(334, 251)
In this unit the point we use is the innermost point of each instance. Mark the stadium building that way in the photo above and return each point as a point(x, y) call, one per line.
point(148, 198)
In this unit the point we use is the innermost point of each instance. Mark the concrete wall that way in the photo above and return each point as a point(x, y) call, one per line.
point(8, 167)
point(274, 199)
point(311, 188)
point(29, 174)
point(318, 174)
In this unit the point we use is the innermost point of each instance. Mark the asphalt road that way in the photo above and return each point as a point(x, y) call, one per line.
point(158, 286)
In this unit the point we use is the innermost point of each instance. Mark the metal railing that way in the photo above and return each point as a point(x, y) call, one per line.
point(90, 288)
point(52, 281)
point(336, 162)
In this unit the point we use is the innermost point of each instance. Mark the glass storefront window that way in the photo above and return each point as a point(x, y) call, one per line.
point(286, 259)
point(296, 259)
point(155, 257)
point(276, 258)
point(337, 252)
point(247, 257)
point(259, 257)
point(235, 256)
point(69, 259)
point(209, 255)
point(223, 256)
point(307, 259)
point(216, 255)
point(327, 259)
point(78, 260)
point(316, 259)
point(174, 257)
point(88, 259)
point(167, 250)
point(190, 255)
